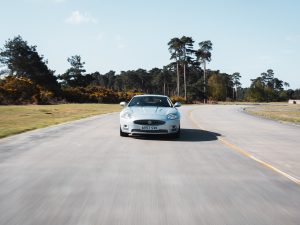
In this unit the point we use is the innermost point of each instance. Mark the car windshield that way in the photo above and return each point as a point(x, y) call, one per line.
point(156, 101)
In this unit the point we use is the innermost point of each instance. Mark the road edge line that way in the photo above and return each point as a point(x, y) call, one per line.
point(245, 153)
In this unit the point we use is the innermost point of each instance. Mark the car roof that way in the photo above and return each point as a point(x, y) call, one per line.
point(150, 95)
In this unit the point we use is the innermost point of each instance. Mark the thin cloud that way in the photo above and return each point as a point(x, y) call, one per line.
point(288, 51)
point(99, 36)
point(292, 38)
point(120, 42)
point(121, 45)
point(53, 1)
point(60, 1)
point(265, 59)
point(79, 18)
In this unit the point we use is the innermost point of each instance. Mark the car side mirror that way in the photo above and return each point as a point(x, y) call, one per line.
point(123, 104)
point(177, 104)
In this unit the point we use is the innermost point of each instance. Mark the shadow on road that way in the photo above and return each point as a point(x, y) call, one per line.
point(197, 135)
point(187, 135)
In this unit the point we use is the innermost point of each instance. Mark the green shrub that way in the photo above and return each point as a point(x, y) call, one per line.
point(95, 94)
point(21, 90)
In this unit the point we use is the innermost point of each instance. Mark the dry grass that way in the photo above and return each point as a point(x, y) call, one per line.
point(277, 111)
point(17, 119)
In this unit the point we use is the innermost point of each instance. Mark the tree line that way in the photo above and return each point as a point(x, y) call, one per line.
point(26, 78)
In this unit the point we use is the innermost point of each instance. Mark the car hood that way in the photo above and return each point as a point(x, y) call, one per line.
point(148, 110)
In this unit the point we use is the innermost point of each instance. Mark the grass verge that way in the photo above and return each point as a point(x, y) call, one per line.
point(17, 119)
point(281, 112)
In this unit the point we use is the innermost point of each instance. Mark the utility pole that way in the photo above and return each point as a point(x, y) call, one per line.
point(184, 77)
point(164, 84)
point(177, 79)
point(233, 92)
point(205, 95)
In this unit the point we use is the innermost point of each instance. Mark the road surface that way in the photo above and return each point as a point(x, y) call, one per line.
point(84, 173)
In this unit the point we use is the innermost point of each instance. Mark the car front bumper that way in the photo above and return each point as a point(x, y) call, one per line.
point(130, 127)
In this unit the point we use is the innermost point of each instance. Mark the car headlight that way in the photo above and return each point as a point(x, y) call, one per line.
point(126, 115)
point(172, 116)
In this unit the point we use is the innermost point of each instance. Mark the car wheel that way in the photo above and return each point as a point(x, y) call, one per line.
point(123, 134)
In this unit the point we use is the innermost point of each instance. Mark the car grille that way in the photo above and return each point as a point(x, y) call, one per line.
point(149, 131)
point(149, 122)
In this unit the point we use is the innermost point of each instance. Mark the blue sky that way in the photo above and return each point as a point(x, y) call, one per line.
point(249, 37)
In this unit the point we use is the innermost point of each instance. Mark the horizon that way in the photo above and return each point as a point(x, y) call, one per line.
point(248, 38)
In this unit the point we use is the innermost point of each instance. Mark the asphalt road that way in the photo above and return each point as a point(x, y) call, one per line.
point(84, 173)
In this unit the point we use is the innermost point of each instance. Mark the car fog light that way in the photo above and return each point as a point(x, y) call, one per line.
point(173, 128)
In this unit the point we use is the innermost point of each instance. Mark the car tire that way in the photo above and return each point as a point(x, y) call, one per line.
point(123, 134)
point(176, 135)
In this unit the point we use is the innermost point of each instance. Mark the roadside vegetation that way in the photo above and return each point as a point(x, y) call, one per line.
point(27, 79)
point(17, 119)
point(275, 111)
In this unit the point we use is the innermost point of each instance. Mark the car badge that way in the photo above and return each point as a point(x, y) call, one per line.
point(149, 122)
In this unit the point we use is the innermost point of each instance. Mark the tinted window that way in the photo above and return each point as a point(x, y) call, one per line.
point(150, 101)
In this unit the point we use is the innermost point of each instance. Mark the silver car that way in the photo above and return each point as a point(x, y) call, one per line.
point(150, 114)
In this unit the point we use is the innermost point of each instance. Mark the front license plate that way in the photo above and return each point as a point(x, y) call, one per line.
point(149, 128)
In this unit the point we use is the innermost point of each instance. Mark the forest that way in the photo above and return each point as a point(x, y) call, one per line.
point(25, 78)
